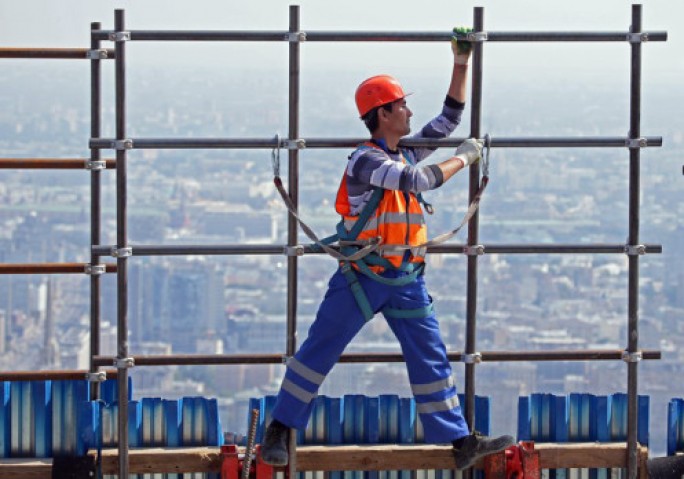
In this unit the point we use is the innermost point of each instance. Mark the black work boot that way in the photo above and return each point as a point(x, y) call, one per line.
point(469, 449)
point(274, 447)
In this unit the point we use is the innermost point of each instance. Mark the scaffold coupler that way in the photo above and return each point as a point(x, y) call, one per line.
point(232, 464)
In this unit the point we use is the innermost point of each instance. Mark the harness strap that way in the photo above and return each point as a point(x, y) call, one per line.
point(357, 291)
point(369, 246)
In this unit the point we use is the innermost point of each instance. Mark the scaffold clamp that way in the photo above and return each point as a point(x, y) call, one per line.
point(637, 37)
point(97, 54)
point(95, 269)
point(296, 144)
point(119, 36)
point(96, 377)
point(633, 357)
point(124, 363)
point(122, 252)
point(474, 250)
point(296, 250)
point(477, 36)
point(95, 165)
point(635, 249)
point(474, 358)
point(126, 144)
point(295, 37)
point(633, 143)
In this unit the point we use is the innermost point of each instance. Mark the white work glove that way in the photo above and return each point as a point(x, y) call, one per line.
point(470, 151)
point(461, 48)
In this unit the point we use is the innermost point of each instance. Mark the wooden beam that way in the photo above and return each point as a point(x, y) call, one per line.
point(336, 458)
point(26, 468)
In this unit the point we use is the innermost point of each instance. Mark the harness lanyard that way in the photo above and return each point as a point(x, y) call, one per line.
point(370, 245)
point(472, 208)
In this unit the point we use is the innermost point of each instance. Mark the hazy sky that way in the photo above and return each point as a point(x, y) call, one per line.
point(66, 23)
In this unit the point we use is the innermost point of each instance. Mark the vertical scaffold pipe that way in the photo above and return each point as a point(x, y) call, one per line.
point(95, 207)
point(633, 293)
point(121, 240)
point(293, 186)
point(474, 182)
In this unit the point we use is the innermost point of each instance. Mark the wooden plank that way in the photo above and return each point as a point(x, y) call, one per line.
point(168, 460)
point(370, 458)
point(26, 468)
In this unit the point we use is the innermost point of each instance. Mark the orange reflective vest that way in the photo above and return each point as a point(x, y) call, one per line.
point(398, 222)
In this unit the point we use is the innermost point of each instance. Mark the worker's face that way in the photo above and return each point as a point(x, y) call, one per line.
point(399, 119)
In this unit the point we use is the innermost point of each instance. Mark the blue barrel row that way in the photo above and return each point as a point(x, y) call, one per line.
point(579, 418)
point(41, 418)
point(56, 418)
point(359, 419)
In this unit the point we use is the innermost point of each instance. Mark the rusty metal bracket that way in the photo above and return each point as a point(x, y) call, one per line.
point(295, 37)
point(474, 250)
point(95, 165)
point(635, 249)
point(126, 144)
point(474, 358)
point(124, 252)
point(296, 250)
point(124, 363)
point(95, 269)
point(633, 143)
point(97, 54)
point(296, 144)
point(637, 37)
point(477, 36)
point(96, 377)
point(634, 357)
point(119, 36)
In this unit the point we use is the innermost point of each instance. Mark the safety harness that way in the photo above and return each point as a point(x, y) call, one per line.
point(358, 256)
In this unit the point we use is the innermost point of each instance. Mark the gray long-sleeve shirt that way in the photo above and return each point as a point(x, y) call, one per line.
point(371, 167)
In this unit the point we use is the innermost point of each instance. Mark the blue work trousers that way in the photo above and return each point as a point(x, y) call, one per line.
point(339, 319)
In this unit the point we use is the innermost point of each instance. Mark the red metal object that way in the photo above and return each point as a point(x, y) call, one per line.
point(516, 462)
point(232, 463)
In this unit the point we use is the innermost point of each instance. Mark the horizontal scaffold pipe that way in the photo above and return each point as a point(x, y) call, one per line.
point(51, 53)
point(218, 250)
point(260, 143)
point(50, 268)
point(51, 163)
point(52, 375)
point(211, 250)
point(499, 356)
point(371, 36)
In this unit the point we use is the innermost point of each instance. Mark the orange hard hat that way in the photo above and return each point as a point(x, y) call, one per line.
point(376, 91)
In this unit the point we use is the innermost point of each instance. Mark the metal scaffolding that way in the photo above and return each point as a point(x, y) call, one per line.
point(473, 249)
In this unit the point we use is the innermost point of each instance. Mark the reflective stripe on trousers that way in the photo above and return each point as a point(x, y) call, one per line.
point(339, 319)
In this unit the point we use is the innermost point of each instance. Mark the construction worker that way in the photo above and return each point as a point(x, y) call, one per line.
point(390, 280)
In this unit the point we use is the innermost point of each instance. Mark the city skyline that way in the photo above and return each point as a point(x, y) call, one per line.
point(594, 106)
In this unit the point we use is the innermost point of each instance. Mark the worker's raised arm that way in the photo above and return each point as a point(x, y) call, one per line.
point(459, 75)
